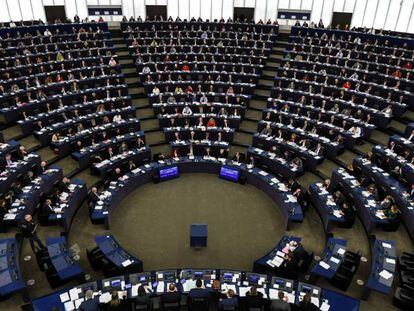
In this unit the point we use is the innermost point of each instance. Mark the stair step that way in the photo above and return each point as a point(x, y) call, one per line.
point(141, 103)
point(396, 126)
point(253, 114)
point(269, 73)
point(242, 139)
point(248, 126)
point(150, 125)
point(11, 132)
point(409, 116)
point(136, 90)
point(265, 93)
point(155, 137)
point(257, 104)
point(127, 61)
point(128, 70)
point(123, 53)
point(145, 113)
point(266, 82)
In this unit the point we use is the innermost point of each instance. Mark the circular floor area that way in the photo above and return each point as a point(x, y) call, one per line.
point(153, 223)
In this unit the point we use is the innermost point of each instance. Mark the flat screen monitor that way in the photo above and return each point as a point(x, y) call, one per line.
point(169, 172)
point(229, 173)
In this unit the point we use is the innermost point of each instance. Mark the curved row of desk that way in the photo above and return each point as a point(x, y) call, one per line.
point(216, 281)
point(268, 183)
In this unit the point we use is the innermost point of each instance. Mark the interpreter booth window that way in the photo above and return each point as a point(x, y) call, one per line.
point(243, 13)
point(157, 10)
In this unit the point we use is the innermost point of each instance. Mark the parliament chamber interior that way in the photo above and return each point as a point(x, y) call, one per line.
point(230, 155)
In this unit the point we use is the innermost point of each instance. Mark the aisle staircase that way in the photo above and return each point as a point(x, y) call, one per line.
point(243, 137)
point(154, 135)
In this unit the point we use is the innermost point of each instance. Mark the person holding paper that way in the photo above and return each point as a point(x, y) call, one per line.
point(143, 297)
point(281, 304)
point(172, 295)
point(90, 303)
point(229, 302)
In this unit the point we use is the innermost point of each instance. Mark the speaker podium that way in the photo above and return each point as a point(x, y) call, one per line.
point(198, 235)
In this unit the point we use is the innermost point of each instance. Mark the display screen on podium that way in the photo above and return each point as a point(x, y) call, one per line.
point(168, 173)
point(229, 173)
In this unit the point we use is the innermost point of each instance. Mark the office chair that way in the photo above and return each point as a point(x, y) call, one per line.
point(403, 299)
point(170, 306)
point(142, 306)
point(198, 304)
point(228, 308)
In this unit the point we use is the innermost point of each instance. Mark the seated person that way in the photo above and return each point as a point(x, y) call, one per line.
point(172, 295)
point(115, 304)
point(254, 299)
point(143, 297)
point(230, 302)
point(198, 292)
point(90, 303)
point(306, 304)
point(281, 303)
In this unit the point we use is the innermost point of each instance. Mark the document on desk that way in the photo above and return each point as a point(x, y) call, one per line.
point(243, 291)
point(134, 290)
point(324, 265)
point(341, 251)
point(78, 302)
point(385, 274)
point(105, 297)
point(160, 287)
point(189, 285)
point(126, 263)
point(335, 260)
point(315, 301)
point(277, 261)
point(64, 297)
point(69, 305)
point(324, 306)
point(73, 293)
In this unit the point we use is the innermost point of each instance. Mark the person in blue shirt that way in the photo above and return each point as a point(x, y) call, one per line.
point(90, 303)
point(230, 302)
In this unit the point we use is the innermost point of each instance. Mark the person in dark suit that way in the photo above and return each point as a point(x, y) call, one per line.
point(90, 303)
point(237, 157)
point(117, 174)
point(293, 185)
point(47, 208)
point(200, 291)
point(93, 196)
point(63, 185)
point(172, 295)
point(280, 304)
point(229, 302)
point(254, 299)
point(43, 167)
point(29, 231)
point(306, 304)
